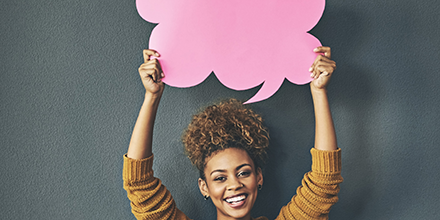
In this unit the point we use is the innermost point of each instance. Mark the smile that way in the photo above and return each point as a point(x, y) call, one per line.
point(236, 201)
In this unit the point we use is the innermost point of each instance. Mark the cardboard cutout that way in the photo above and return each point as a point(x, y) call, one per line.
point(244, 42)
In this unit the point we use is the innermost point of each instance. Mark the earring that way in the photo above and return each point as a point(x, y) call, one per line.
point(206, 197)
point(260, 186)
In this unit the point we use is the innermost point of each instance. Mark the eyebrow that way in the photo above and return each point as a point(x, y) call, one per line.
point(224, 171)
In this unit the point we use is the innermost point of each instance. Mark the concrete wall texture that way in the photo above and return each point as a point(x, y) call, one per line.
point(70, 94)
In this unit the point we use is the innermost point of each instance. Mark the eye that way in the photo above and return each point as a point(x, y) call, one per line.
point(243, 174)
point(220, 179)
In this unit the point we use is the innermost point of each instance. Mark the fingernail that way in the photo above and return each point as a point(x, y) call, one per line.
point(310, 69)
point(315, 50)
point(162, 75)
point(156, 54)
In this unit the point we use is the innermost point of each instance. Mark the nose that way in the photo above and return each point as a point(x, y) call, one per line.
point(234, 184)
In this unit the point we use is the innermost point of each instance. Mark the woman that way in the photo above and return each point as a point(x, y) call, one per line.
point(227, 143)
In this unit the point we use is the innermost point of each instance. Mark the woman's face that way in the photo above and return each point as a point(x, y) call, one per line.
point(232, 183)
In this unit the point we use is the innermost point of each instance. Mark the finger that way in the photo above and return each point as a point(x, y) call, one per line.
point(150, 73)
point(158, 73)
point(146, 76)
point(152, 64)
point(328, 63)
point(155, 63)
point(320, 59)
point(324, 50)
point(147, 67)
point(148, 53)
point(322, 69)
point(325, 70)
point(159, 69)
point(312, 69)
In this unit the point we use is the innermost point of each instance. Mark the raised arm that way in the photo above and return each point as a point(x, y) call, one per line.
point(142, 137)
point(149, 198)
point(320, 187)
point(322, 70)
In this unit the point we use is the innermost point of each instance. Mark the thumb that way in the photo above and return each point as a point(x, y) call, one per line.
point(148, 53)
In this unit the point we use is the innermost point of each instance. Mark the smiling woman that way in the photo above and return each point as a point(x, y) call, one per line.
point(227, 143)
point(232, 182)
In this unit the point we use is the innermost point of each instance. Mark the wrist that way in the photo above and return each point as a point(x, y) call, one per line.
point(318, 91)
point(152, 99)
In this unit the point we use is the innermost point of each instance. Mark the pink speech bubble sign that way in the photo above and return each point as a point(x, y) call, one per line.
point(245, 43)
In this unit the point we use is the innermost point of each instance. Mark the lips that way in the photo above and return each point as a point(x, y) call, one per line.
point(236, 201)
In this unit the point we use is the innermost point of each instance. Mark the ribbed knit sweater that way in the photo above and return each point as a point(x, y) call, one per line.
point(150, 200)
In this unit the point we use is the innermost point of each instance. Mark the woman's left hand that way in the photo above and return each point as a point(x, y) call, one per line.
point(322, 69)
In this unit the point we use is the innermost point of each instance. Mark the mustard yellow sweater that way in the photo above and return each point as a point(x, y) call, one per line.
point(150, 200)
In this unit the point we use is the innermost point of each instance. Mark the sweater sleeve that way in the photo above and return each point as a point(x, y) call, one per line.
point(319, 189)
point(149, 198)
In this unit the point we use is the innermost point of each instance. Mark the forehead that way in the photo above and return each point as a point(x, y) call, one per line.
point(227, 159)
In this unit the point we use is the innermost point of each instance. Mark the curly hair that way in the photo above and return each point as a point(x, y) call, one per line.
point(225, 125)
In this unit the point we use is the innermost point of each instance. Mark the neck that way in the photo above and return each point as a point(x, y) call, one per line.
point(225, 218)
point(220, 216)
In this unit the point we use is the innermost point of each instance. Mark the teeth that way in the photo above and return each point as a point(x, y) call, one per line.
point(236, 199)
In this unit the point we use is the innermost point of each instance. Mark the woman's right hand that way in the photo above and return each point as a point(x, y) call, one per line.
point(151, 73)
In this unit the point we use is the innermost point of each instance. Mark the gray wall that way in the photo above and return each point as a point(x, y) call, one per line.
point(70, 94)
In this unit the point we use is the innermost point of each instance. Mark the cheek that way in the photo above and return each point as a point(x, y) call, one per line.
point(252, 183)
point(216, 190)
